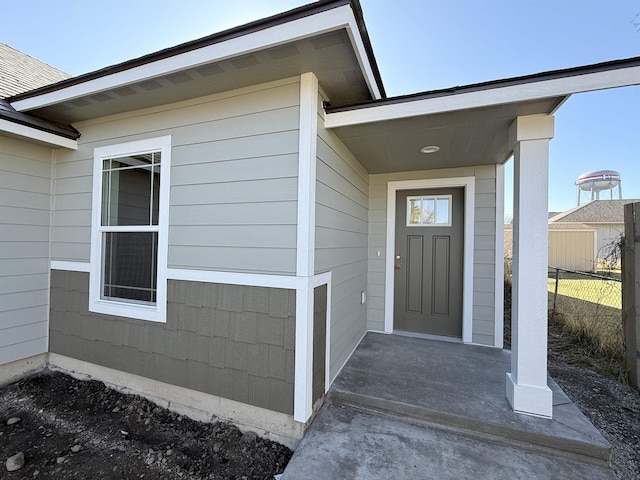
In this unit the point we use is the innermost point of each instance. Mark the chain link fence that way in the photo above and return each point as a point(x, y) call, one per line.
point(589, 305)
point(585, 304)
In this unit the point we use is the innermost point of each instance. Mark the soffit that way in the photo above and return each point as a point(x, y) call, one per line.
point(474, 136)
point(330, 56)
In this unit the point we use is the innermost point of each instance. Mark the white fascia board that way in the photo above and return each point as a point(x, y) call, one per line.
point(363, 58)
point(534, 90)
point(38, 135)
point(324, 22)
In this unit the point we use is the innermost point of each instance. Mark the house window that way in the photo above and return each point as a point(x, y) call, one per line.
point(129, 237)
point(433, 210)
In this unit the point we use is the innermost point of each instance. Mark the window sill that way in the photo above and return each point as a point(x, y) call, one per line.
point(152, 313)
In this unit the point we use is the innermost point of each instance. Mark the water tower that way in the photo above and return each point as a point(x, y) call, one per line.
point(599, 181)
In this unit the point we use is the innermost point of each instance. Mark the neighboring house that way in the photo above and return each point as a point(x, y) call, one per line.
point(571, 246)
point(218, 224)
point(606, 217)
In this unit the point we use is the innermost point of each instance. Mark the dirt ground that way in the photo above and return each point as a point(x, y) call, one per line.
point(71, 429)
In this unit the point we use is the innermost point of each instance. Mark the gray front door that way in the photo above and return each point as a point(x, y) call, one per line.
point(429, 261)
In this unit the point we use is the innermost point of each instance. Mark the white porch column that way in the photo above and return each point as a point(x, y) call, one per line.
point(527, 389)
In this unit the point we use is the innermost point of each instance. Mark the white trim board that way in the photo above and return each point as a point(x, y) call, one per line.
point(37, 135)
point(483, 98)
point(70, 266)
point(468, 183)
point(307, 147)
point(299, 29)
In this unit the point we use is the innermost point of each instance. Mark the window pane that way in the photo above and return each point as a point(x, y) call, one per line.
point(129, 265)
point(443, 211)
point(155, 195)
point(131, 191)
point(428, 211)
point(415, 209)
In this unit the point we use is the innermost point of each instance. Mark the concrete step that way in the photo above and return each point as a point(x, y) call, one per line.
point(460, 388)
point(578, 448)
point(347, 443)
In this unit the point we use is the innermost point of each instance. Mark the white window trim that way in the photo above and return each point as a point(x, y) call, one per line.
point(121, 308)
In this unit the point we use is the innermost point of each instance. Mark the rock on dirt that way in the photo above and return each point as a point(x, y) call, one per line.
point(73, 429)
point(15, 462)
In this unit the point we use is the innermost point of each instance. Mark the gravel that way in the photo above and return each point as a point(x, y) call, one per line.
point(611, 405)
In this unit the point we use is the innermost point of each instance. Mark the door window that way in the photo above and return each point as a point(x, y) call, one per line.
point(433, 210)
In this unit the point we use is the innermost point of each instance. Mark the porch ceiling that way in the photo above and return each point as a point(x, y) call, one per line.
point(475, 136)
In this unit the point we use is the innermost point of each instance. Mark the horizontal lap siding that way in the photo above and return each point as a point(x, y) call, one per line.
point(233, 198)
point(484, 245)
point(25, 186)
point(484, 255)
point(341, 240)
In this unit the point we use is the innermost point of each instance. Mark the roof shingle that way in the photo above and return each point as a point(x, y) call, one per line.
point(597, 211)
point(20, 72)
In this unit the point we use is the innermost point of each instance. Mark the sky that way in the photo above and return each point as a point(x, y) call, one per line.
point(419, 45)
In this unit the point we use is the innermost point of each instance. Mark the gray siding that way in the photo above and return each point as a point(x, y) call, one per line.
point(232, 341)
point(484, 245)
point(342, 203)
point(233, 200)
point(25, 197)
point(319, 341)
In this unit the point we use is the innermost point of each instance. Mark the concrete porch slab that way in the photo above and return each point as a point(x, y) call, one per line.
point(460, 388)
point(412, 408)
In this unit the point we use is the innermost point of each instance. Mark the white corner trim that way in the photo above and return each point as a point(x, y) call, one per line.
point(303, 383)
point(307, 147)
point(498, 335)
point(157, 312)
point(493, 96)
point(70, 266)
point(323, 22)
point(38, 135)
point(468, 183)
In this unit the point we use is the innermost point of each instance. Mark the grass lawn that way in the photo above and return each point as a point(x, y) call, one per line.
point(603, 292)
point(590, 308)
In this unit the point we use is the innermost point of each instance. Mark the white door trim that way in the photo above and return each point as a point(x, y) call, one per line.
point(468, 183)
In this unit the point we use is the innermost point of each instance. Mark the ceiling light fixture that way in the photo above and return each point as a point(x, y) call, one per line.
point(430, 149)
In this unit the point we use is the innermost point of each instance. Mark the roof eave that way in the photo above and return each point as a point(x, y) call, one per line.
point(39, 135)
point(166, 61)
point(555, 84)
